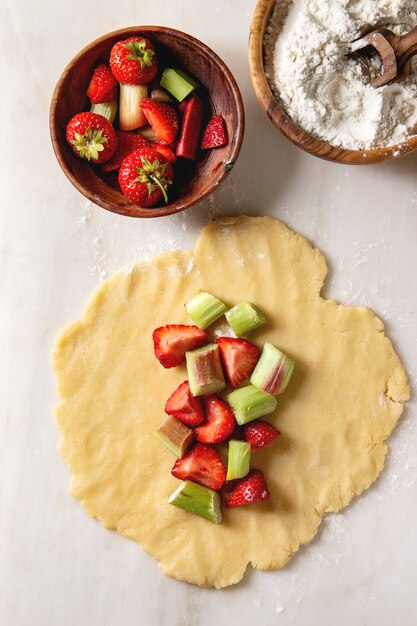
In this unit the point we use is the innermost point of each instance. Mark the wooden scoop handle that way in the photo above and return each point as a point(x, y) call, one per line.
point(406, 47)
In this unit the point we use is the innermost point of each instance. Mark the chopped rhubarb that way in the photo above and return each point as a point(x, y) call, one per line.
point(192, 119)
point(175, 436)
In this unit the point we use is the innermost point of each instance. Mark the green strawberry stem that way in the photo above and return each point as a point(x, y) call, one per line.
point(249, 403)
point(178, 83)
point(245, 317)
point(106, 109)
point(204, 309)
point(197, 499)
point(153, 175)
point(238, 462)
point(139, 52)
point(89, 144)
point(131, 115)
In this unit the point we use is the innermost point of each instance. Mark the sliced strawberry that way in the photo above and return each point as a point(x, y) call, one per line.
point(239, 357)
point(103, 86)
point(166, 151)
point(259, 433)
point(214, 134)
point(171, 342)
point(184, 406)
point(126, 144)
point(162, 118)
point(220, 421)
point(252, 488)
point(202, 465)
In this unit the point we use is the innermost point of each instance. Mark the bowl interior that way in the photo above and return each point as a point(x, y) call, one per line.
point(193, 181)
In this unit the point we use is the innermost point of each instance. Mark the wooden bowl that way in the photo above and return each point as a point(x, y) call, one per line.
point(284, 123)
point(173, 48)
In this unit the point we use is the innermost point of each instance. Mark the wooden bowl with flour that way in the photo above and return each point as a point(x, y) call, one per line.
point(286, 125)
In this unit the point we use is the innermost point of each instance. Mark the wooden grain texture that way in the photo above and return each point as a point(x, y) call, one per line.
point(174, 48)
point(283, 122)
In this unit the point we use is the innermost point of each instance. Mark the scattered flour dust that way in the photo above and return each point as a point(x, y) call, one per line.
point(327, 93)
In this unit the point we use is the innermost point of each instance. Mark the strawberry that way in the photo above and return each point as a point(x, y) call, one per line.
point(144, 177)
point(103, 86)
point(239, 357)
point(214, 134)
point(162, 118)
point(202, 465)
point(171, 342)
point(184, 406)
point(126, 144)
point(252, 488)
point(259, 433)
point(133, 61)
point(166, 151)
point(219, 424)
point(92, 137)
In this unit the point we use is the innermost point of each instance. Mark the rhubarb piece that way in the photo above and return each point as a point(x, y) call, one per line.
point(245, 317)
point(273, 370)
point(204, 369)
point(147, 133)
point(106, 109)
point(171, 343)
point(259, 434)
point(197, 499)
point(238, 461)
point(201, 465)
point(252, 488)
point(204, 309)
point(131, 115)
point(184, 406)
point(220, 422)
point(161, 95)
point(163, 119)
point(249, 403)
point(192, 119)
point(175, 436)
point(214, 134)
point(178, 83)
point(126, 144)
point(238, 357)
point(103, 86)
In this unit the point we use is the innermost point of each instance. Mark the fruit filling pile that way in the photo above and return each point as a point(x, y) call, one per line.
point(143, 122)
point(199, 419)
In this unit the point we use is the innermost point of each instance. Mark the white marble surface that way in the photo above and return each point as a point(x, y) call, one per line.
point(57, 566)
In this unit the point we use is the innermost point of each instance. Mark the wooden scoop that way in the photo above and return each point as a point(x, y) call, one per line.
point(395, 51)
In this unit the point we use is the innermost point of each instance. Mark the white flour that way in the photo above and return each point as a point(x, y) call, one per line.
point(324, 91)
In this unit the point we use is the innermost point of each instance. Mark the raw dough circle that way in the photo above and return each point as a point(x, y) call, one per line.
point(343, 401)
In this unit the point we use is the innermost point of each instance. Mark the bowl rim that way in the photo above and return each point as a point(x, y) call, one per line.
point(178, 205)
point(286, 125)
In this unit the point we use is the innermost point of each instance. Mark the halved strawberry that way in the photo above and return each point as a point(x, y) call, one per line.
point(202, 465)
point(163, 119)
point(184, 406)
point(171, 342)
point(168, 153)
point(239, 357)
point(252, 488)
point(103, 86)
point(214, 134)
point(126, 144)
point(220, 421)
point(259, 433)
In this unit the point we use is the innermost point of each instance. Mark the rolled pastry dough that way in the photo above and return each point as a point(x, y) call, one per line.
point(342, 403)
